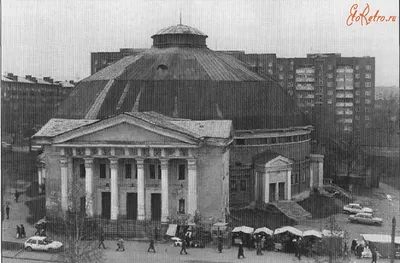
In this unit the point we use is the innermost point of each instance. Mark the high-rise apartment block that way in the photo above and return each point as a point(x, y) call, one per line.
point(336, 93)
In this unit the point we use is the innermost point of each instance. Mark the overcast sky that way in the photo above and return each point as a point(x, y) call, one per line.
point(55, 37)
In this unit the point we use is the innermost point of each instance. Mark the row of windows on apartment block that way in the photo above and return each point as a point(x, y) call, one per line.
point(273, 140)
point(320, 66)
point(304, 77)
point(130, 171)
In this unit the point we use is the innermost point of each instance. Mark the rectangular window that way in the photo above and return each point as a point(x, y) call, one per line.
point(368, 67)
point(367, 117)
point(243, 185)
point(128, 171)
point(367, 101)
point(297, 177)
point(181, 206)
point(82, 171)
point(368, 84)
point(181, 172)
point(367, 93)
point(152, 171)
point(102, 170)
point(135, 170)
point(239, 141)
point(233, 185)
point(159, 171)
point(367, 75)
point(292, 179)
point(303, 176)
point(357, 84)
point(357, 67)
point(357, 75)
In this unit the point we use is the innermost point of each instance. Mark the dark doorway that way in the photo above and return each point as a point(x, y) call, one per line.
point(281, 191)
point(82, 206)
point(105, 205)
point(156, 207)
point(131, 206)
point(272, 192)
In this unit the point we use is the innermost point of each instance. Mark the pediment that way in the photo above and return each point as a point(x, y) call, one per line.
point(278, 161)
point(125, 130)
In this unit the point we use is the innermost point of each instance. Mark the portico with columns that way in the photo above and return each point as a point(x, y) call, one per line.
point(273, 174)
point(136, 166)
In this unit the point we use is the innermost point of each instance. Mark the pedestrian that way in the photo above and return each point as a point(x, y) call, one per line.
point(374, 255)
point(263, 243)
point(259, 253)
point(220, 244)
point(42, 232)
point(353, 246)
point(101, 240)
point(345, 248)
point(151, 246)
point(240, 250)
point(22, 229)
point(18, 231)
point(120, 245)
point(183, 247)
point(156, 233)
point(37, 230)
point(359, 250)
point(7, 211)
point(16, 196)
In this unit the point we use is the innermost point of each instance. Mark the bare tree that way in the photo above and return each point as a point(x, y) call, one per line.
point(333, 245)
point(79, 234)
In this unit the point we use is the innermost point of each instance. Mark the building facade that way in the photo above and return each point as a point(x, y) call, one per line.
point(180, 77)
point(140, 166)
point(27, 102)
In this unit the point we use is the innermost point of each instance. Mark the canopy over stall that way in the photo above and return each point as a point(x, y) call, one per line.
point(289, 229)
point(243, 229)
point(264, 230)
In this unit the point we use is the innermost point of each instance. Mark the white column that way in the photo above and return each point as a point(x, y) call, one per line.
point(289, 184)
point(89, 186)
point(256, 186)
point(311, 175)
point(276, 191)
point(164, 190)
point(320, 174)
point(64, 184)
point(40, 177)
point(192, 186)
point(266, 187)
point(140, 189)
point(114, 188)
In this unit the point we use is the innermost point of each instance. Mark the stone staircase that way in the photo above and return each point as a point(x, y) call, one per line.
point(292, 210)
point(130, 228)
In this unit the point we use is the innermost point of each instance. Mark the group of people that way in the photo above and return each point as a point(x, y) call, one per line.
point(21, 231)
point(358, 247)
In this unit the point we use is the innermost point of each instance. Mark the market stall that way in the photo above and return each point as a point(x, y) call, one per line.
point(285, 238)
point(242, 234)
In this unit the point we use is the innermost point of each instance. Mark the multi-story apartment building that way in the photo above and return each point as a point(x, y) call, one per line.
point(338, 91)
point(28, 102)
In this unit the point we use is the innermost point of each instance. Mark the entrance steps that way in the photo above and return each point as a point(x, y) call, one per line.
point(130, 228)
point(292, 210)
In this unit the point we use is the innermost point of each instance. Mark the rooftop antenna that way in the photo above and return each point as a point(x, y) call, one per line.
point(180, 17)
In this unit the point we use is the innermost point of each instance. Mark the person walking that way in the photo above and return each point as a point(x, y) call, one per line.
point(18, 231)
point(263, 239)
point(220, 244)
point(183, 247)
point(359, 250)
point(374, 255)
point(101, 240)
point(353, 246)
point(7, 211)
point(240, 250)
point(22, 229)
point(120, 245)
point(151, 246)
point(16, 196)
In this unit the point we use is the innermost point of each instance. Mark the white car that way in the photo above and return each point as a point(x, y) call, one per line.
point(355, 209)
point(42, 244)
point(365, 218)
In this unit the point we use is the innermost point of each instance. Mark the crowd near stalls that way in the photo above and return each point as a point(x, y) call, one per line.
point(289, 239)
point(193, 235)
point(381, 243)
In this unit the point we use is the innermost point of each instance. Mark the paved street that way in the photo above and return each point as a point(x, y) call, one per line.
point(137, 251)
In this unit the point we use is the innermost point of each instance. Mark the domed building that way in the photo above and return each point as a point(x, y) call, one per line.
point(177, 130)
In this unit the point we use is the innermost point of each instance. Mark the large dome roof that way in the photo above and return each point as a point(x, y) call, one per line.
point(187, 82)
point(180, 29)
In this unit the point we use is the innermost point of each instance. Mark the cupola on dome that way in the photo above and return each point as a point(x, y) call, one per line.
point(179, 36)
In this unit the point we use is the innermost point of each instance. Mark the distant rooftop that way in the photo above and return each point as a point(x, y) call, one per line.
point(29, 79)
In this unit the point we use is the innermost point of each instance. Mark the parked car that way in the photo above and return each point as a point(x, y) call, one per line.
point(42, 244)
point(355, 209)
point(365, 218)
